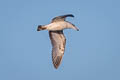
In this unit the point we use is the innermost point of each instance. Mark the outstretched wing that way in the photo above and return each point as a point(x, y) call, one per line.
point(62, 17)
point(58, 46)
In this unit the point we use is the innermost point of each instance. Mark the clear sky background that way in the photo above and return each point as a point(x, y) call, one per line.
point(93, 53)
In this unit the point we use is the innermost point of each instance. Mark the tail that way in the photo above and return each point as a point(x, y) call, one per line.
point(41, 27)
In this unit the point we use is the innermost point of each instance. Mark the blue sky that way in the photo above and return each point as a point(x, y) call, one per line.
point(93, 53)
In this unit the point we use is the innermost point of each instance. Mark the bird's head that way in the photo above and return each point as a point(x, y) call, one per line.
point(40, 27)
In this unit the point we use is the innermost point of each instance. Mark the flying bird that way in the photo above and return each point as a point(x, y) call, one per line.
point(58, 40)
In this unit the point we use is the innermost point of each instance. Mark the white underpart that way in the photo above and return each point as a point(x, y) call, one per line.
point(59, 26)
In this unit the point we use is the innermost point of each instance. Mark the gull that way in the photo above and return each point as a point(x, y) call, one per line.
point(58, 40)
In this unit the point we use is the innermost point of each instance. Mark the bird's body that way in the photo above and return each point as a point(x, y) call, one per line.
point(61, 25)
point(57, 37)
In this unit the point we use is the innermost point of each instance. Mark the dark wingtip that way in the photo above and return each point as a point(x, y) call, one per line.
point(77, 29)
point(57, 62)
point(68, 15)
point(71, 15)
point(56, 67)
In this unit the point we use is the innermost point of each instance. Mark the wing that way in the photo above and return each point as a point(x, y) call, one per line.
point(58, 46)
point(62, 17)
